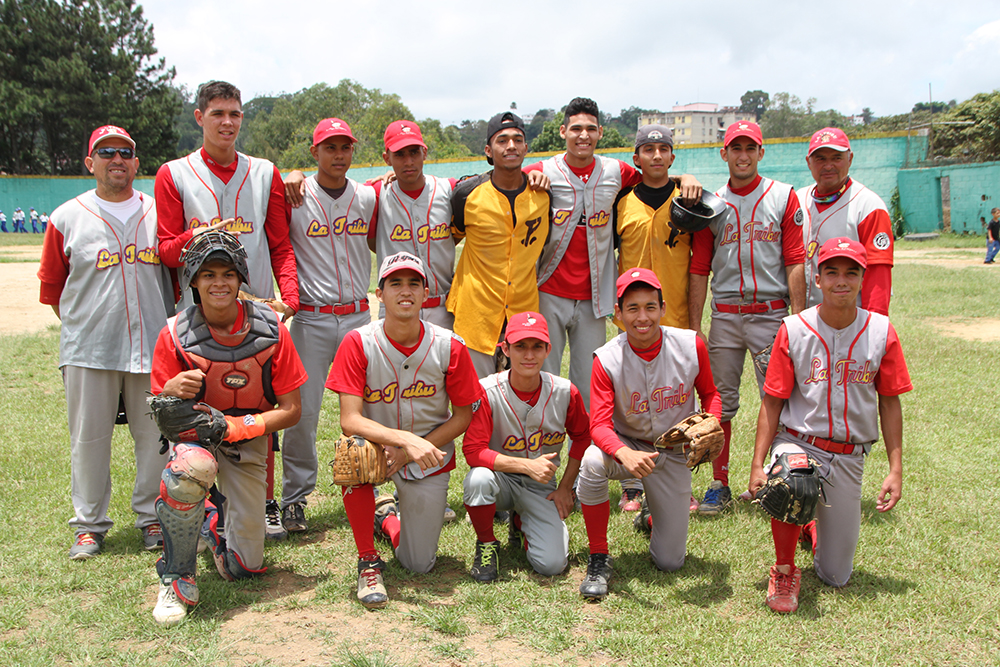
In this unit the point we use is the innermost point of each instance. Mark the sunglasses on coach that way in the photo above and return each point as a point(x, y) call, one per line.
point(109, 153)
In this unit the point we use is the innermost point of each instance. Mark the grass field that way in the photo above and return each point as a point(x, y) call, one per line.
point(924, 591)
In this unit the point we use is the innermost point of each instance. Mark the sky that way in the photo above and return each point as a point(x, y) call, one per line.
point(454, 60)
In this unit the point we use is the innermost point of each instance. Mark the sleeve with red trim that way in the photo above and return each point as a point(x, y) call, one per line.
point(577, 424)
point(461, 381)
point(631, 176)
point(350, 367)
point(476, 441)
point(780, 378)
point(602, 408)
point(170, 222)
point(287, 371)
point(875, 234)
point(792, 248)
point(893, 377)
point(876, 288)
point(282, 254)
point(708, 395)
point(702, 251)
point(54, 268)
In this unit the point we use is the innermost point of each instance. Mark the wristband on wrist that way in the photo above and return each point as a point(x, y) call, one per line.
point(245, 428)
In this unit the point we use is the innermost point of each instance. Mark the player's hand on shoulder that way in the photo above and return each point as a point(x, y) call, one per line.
point(295, 188)
point(385, 179)
point(639, 464)
point(891, 492)
point(537, 180)
point(542, 469)
point(185, 384)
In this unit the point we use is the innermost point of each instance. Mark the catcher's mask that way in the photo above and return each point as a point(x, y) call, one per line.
point(695, 218)
point(209, 246)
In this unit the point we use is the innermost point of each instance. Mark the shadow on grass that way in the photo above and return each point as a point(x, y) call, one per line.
point(699, 582)
point(438, 583)
point(862, 585)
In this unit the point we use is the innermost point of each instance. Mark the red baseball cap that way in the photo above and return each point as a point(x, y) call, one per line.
point(332, 127)
point(398, 262)
point(843, 247)
point(107, 132)
point(636, 275)
point(744, 128)
point(829, 137)
point(402, 133)
point(527, 325)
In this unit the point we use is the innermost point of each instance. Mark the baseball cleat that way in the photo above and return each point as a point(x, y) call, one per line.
point(783, 589)
point(152, 537)
point(486, 565)
point(293, 518)
point(273, 530)
point(371, 590)
point(169, 610)
point(501, 516)
point(87, 546)
point(693, 505)
point(643, 521)
point(385, 506)
point(599, 572)
point(515, 536)
point(631, 500)
point(449, 514)
point(717, 498)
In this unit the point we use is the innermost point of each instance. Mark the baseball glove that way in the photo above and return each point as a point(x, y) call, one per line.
point(358, 462)
point(762, 359)
point(702, 437)
point(178, 421)
point(792, 490)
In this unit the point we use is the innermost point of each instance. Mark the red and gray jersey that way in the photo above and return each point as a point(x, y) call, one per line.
point(651, 396)
point(528, 431)
point(208, 200)
point(420, 226)
point(748, 263)
point(575, 202)
point(117, 293)
point(330, 238)
point(408, 393)
point(851, 216)
point(834, 395)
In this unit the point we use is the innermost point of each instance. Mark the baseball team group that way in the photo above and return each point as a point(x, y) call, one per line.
point(39, 223)
point(176, 297)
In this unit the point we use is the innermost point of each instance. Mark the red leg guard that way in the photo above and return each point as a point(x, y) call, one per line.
point(720, 466)
point(359, 503)
point(786, 538)
point(482, 521)
point(270, 466)
point(596, 518)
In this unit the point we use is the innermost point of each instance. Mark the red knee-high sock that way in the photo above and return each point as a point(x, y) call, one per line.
point(270, 466)
point(390, 526)
point(786, 538)
point(482, 521)
point(596, 518)
point(720, 466)
point(809, 534)
point(359, 503)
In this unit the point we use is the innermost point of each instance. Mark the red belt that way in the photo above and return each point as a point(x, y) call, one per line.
point(434, 302)
point(751, 308)
point(338, 309)
point(832, 446)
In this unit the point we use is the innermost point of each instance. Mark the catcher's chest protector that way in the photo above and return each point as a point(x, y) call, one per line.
point(237, 366)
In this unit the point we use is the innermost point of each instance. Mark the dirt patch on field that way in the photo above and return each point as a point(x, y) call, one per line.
point(986, 330)
point(949, 258)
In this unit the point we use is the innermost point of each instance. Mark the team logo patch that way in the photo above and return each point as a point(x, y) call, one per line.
point(235, 380)
point(881, 241)
point(477, 405)
point(249, 420)
point(655, 134)
point(799, 217)
point(529, 321)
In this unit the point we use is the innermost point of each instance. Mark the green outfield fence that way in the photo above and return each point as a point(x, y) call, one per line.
point(882, 162)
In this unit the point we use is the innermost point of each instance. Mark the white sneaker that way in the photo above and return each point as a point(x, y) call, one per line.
point(169, 608)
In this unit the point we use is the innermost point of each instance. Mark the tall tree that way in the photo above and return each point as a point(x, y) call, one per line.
point(977, 138)
point(786, 116)
point(755, 102)
point(69, 66)
point(534, 128)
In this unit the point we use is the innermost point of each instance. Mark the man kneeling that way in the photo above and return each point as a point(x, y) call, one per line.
point(512, 447)
point(236, 357)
